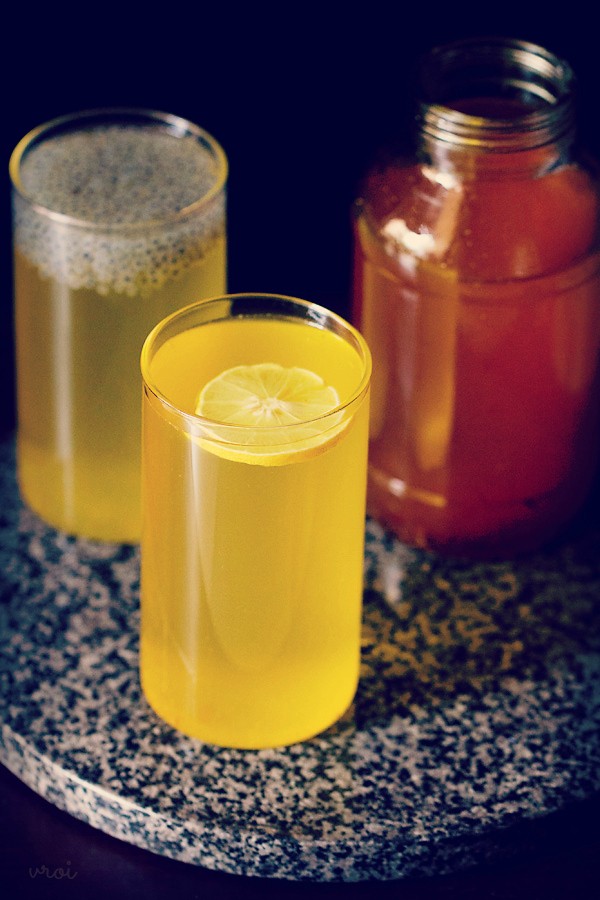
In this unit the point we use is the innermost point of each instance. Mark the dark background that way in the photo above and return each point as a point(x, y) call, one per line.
point(300, 97)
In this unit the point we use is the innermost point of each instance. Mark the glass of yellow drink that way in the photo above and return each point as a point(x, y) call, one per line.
point(118, 220)
point(255, 429)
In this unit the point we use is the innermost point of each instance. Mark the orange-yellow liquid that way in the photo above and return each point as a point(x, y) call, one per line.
point(251, 571)
point(79, 393)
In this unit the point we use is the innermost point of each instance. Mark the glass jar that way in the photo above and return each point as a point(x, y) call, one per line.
point(477, 286)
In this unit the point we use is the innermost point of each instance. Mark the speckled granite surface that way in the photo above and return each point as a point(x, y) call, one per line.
point(478, 709)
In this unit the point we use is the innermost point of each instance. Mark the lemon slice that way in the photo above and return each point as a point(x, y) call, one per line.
point(273, 406)
point(266, 394)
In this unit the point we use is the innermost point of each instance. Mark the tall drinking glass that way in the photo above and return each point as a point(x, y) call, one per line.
point(119, 219)
point(255, 430)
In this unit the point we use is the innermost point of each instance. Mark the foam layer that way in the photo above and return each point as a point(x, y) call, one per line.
point(132, 182)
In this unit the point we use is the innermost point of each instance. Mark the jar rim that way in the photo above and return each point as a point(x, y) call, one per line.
point(495, 93)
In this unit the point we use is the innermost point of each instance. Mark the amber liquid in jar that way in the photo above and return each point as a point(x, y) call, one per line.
point(477, 287)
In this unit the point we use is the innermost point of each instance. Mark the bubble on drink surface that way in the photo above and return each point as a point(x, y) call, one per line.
point(136, 184)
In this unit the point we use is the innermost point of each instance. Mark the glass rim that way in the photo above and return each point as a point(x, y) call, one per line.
point(173, 124)
point(315, 315)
